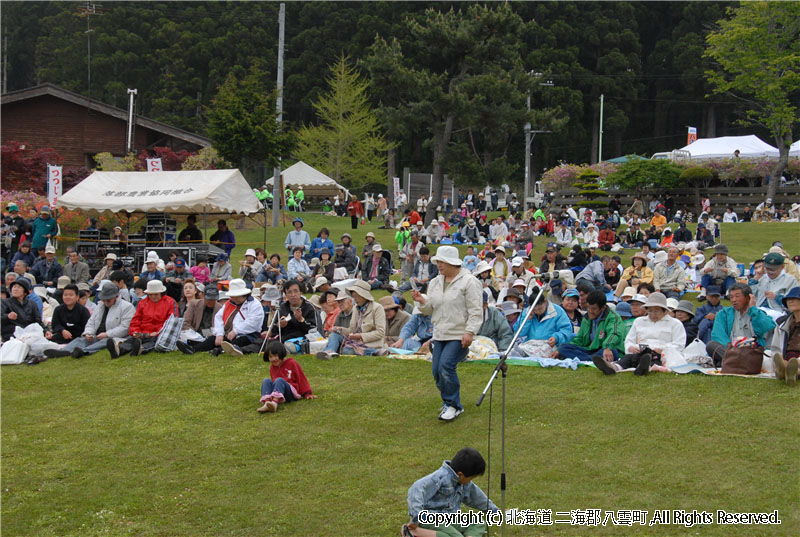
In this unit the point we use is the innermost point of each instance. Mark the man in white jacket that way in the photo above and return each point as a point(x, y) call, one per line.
point(455, 305)
point(111, 319)
point(237, 323)
point(648, 339)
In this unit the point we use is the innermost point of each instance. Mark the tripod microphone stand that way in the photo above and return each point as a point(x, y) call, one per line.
point(502, 368)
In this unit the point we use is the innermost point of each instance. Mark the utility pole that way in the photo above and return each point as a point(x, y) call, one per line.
point(87, 11)
point(600, 141)
point(276, 184)
point(129, 138)
point(5, 59)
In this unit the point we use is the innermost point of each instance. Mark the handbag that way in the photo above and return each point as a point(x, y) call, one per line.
point(743, 360)
point(168, 335)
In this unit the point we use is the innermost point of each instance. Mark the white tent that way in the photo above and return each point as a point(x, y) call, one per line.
point(215, 191)
point(794, 149)
point(750, 146)
point(313, 181)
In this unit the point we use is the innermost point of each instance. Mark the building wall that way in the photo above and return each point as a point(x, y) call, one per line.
point(73, 131)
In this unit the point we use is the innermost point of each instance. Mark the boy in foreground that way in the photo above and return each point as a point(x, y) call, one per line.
point(444, 491)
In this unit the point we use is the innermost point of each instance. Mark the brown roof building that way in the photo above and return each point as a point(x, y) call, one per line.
point(78, 128)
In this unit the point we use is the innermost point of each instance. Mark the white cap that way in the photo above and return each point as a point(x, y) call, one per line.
point(517, 262)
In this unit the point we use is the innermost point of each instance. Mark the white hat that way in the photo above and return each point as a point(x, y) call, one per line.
point(361, 288)
point(517, 262)
point(377, 247)
point(698, 259)
point(49, 249)
point(447, 254)
point(319, 282)
point(111, 256)
point(482, 266)
point(517, 282)
point(200, 287)
point(152, 257)
point(237, 287)
point(441, 219)
point(270, 293)
point(256, 293)
point(250, 251)
point(672, 303)
point(509, 308)
point(656, 300)
point(660, 257)
point(155, 286)
point(629, 291)
point(643, 299)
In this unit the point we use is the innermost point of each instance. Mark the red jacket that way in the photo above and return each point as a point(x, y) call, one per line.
point(606, 237)
point(355, 208)
point(414, 217)
point(150, 316)
point(291, 372)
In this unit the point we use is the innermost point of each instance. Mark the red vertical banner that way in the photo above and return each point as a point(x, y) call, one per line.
point(692, 135)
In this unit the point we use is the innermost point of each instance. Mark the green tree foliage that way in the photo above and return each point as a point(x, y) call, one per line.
point(637, 175)
point(242, 121)
point(591, 189)
point(347, 144)
point(757, 51)
point(459, 54)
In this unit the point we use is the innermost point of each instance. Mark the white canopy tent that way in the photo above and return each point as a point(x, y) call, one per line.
point(794, 149)
point(750, 146)
point(313, 181)
point(212, 191)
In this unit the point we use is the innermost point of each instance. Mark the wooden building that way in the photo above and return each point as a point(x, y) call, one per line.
point(78, 128)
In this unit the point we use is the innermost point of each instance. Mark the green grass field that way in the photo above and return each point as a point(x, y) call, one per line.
point(168, 444)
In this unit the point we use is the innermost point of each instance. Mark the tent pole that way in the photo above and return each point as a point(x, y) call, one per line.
point(205, 225)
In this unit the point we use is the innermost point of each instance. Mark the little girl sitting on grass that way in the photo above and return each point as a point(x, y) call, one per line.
point(287, 381)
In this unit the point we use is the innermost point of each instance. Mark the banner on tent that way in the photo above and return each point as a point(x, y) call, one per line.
point(154, 165)
point(54, 184)
point(692, 135)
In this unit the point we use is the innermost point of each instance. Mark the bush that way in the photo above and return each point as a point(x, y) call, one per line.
point(696, 174)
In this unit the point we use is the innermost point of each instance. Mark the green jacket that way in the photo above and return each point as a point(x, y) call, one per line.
point(610, 333)
point(402, 236)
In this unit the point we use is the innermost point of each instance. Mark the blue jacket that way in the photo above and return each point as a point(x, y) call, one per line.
point(723, 324)
point(147, 275)
point(440, 492)
point(433, 271)
point(44, 274)
point(705, 309)
point(318, 244)
point(554, 323)
point(418, 324)
point(29, 258)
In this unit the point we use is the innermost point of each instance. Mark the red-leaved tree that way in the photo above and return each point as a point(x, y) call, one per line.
point(25, 167)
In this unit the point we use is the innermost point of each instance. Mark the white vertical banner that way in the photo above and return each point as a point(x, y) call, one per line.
point(154, 165)
point(396, 185)
point(54, 185)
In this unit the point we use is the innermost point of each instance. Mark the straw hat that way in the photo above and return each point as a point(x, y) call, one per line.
point(238, 287)
point(154, 287)
point(447, 254)
point(362, 289)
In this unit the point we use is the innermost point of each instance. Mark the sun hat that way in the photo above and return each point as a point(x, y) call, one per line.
point(685, 306)
point(659, 257)
point(471, 222)
point(346, 235)
point(362, 289)
point(388, 303)
point(271, 294)
point(482, 266)
point(377, 247)
point(256, 293)
point(698, 259)
point(41, 291)
point(656, 300)
point(641, 299)
point(199, 286)
point(152, 257)
point(449, 255)
point(319, 282)
point(155, 286)
point(50, 249)
point(774, 260)
point(509, 308)
point(500, 248)
point(440, 219)
point(794, 292)
point(641, 256)
point(720, 249)
point(30, 277)
point(672, 304)
point(107, 291)
point(297, 219)
point(111, 256)
point(370, 234)
point(519, 281)
point(517, 262)
point(623, 309)
point(63, 281)
point(238, 287)
point(629, 292)
point(250, 251)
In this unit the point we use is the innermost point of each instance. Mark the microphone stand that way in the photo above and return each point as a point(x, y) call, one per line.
point(501, 367)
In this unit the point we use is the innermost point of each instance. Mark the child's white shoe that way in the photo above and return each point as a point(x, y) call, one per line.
point(269, 406)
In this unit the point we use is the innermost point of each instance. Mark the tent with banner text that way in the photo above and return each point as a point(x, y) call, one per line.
point(177, 192)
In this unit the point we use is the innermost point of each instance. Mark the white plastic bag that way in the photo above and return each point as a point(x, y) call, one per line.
point(33, 335)
point(536, 348)
point(695, 353)
point(13, 352)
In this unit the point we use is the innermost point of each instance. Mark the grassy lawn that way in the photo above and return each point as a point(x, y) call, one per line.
point(168, 444)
